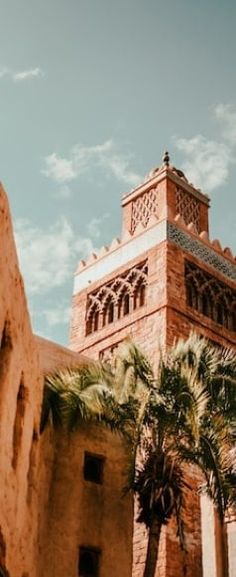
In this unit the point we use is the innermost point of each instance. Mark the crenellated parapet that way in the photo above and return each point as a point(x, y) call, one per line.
point(175, 229)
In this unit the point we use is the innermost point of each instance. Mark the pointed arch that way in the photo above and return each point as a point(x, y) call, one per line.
point(139, 296)
point(93, 316)
point(222, 311)
point(124, 300)
point(115, 299)
point(109, 309)
point(210, 297)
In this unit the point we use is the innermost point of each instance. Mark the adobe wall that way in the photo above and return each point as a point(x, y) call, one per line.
point(78, 512)
point(20, 400)
point(83, 513)
point(25, 458)
point(41, 475)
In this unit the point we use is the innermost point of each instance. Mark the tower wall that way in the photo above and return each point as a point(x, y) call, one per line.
point(146, 324)
point(165, 225)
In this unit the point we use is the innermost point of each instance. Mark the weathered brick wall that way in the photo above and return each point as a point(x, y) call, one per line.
point(146, 325)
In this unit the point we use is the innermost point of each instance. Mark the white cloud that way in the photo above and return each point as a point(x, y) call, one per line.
point(63, 192)
point(81, 159)
point(95, 225)
point(54, 316)
point(226, 114)
point(25, 74)
point(59, 169)
point(21, 75)
point(48, 257)
point(207, 162)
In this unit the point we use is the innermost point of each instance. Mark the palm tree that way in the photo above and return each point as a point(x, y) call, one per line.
point(73, 395)
point(183, 415)
point(214, 448)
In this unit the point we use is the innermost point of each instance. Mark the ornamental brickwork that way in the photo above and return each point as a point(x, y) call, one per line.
point(117, 298)
point(143, 208)
point(188, 207)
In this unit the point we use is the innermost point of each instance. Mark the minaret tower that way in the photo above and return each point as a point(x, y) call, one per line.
point(162, 279)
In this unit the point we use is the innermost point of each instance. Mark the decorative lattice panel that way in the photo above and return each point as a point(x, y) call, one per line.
point(188, 207)
point(117, 298)
point(198, 249)
point(143, 208)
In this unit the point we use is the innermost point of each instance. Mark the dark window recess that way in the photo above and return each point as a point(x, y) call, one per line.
point(210, 297)
point(118, 298)
point(96, 320)
point(88, 562)
point(126, 305)
point(93, 468)
point(111, 313)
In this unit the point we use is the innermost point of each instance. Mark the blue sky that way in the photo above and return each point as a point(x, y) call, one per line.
point(91, 94)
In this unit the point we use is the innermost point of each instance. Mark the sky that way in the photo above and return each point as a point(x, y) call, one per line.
point(91, 94)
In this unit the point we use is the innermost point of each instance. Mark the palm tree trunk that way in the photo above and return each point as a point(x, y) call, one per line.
point(153, 547)
point(225, 551)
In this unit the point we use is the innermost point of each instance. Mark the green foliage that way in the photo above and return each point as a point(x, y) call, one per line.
point(184, 415)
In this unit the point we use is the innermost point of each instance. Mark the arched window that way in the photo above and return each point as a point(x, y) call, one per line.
point(126, 304)
point(222, 316)
point(95, 321)
point(139, 295)
point(220, 313)
point(92, 323)
point(192, 294)
point(206, 303)
point(142, 295)
point(111, 312)
point(117, 298)
point(211, 297)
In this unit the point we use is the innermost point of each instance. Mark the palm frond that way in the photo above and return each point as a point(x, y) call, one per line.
point(132, 370)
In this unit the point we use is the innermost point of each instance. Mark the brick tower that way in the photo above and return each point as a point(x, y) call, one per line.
point(161, 280)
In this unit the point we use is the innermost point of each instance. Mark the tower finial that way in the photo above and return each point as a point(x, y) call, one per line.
point(166, 159)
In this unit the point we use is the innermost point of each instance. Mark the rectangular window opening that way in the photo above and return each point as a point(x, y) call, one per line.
point(93, 468)
point(89, 558)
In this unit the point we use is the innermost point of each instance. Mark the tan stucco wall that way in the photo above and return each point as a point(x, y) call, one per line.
point(82, 513)
point(46, 510)
point(18, 365)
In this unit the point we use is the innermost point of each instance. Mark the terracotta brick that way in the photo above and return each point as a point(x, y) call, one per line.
point(164, 318)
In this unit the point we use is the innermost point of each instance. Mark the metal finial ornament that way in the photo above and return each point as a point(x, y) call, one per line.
point(166, 159)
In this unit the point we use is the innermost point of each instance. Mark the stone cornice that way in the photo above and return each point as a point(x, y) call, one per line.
point(165, 173)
